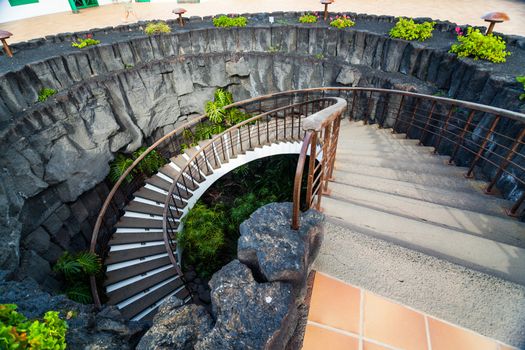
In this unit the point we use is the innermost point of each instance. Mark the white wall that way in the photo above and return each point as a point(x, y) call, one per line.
point(43, 7)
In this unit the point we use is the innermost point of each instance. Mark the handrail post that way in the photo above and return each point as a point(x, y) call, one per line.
point(506, 161)
point(482, 147)
point(461, 137)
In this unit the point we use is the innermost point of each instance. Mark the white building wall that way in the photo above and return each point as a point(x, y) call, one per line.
point(10, 13)
point(43, 7)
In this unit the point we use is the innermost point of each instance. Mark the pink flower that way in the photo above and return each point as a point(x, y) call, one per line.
point(89, 36)
point(331, 19)
point(459, 32)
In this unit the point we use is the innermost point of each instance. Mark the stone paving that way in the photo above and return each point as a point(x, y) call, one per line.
point(461, 12)
point(345, 317)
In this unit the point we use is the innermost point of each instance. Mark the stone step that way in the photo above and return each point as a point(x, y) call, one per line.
point(378, 158)
point(475, 200)
point(415, 156)
point(499, 259)
point(401, 165)
point(497, 228)
point(456, 183)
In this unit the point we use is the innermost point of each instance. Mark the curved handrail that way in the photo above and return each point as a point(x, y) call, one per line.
point(502, 164)
point(205, 148)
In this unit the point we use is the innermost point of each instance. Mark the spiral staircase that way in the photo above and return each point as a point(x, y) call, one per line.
point(381, 176)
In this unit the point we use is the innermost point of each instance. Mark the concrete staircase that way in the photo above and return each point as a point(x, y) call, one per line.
point(389, 187)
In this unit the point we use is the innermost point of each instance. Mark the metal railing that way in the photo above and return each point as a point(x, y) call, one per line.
point(282, 124)
point(320, 145)
point(488, 140)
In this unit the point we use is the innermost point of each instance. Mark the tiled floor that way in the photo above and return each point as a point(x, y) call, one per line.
point(344, 317)
point(462, 12)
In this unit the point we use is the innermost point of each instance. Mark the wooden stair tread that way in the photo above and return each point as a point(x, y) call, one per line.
point(115, 276)
point(132, 289)
point(130, 222)
point(150, 299)
point(135, 253)
point(127, 238)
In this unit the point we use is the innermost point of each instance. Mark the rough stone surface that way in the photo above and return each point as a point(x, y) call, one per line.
point(101, 108)
point(273, 249)
point(249, 315)
point(176, 326)
point(248, 312)
point(88, 329)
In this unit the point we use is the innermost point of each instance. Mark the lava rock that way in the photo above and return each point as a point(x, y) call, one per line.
point(176, 326)
point(249, 315)
point(273, 250)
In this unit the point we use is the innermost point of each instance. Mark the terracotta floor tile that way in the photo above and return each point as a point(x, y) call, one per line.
point(335, 304)
point(394, 324)
point(317, 338)
point(447, 337)
point(506, 347)
point(371, 346)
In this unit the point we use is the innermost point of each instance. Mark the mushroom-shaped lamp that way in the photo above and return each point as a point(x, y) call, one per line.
point(180, 11)
point(493, 18)
point(4, 35)
point(326, 3)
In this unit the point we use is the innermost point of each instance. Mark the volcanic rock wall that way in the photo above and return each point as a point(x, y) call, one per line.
point(133, 88)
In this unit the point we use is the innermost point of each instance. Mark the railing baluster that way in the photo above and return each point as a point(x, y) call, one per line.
point(461, 137)
point(311, 165)
point(470, 171)
point(444, 128)
point(354, 95)
point(369, 108)
point(429, 118)
point(414, 112)
point(505, 163)
point(401, 105)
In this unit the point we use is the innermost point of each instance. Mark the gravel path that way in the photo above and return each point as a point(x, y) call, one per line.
point(482, 303)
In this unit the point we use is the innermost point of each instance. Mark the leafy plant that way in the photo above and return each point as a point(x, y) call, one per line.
point(308, 18)
point(148, 166)
point(128, 66)
point(521, 79)
point(202, 237)
point(319, 56)
point(119, 166)
point(45, 93)
point(82, 43)
point(76, 270)
point(479, 46)
point(273, 49)
point(17, 332)
point(225, 21)
point(342, 22)
point(407, 29)
point(157, 28)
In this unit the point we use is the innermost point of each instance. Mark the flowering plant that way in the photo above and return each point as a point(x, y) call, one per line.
point(341, 22)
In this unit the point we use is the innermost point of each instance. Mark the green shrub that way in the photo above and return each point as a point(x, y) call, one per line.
point(225, 21)
point(17, 332)
point(157, 28)
point(521, 80)
point(76, 270)
point(148, 166)
point(202, 237)
point(319, 56)
point(479, 46)
point(308, 18)
point(45, 93)
point(407, 29)
point(82, 43)
point(342, 22)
